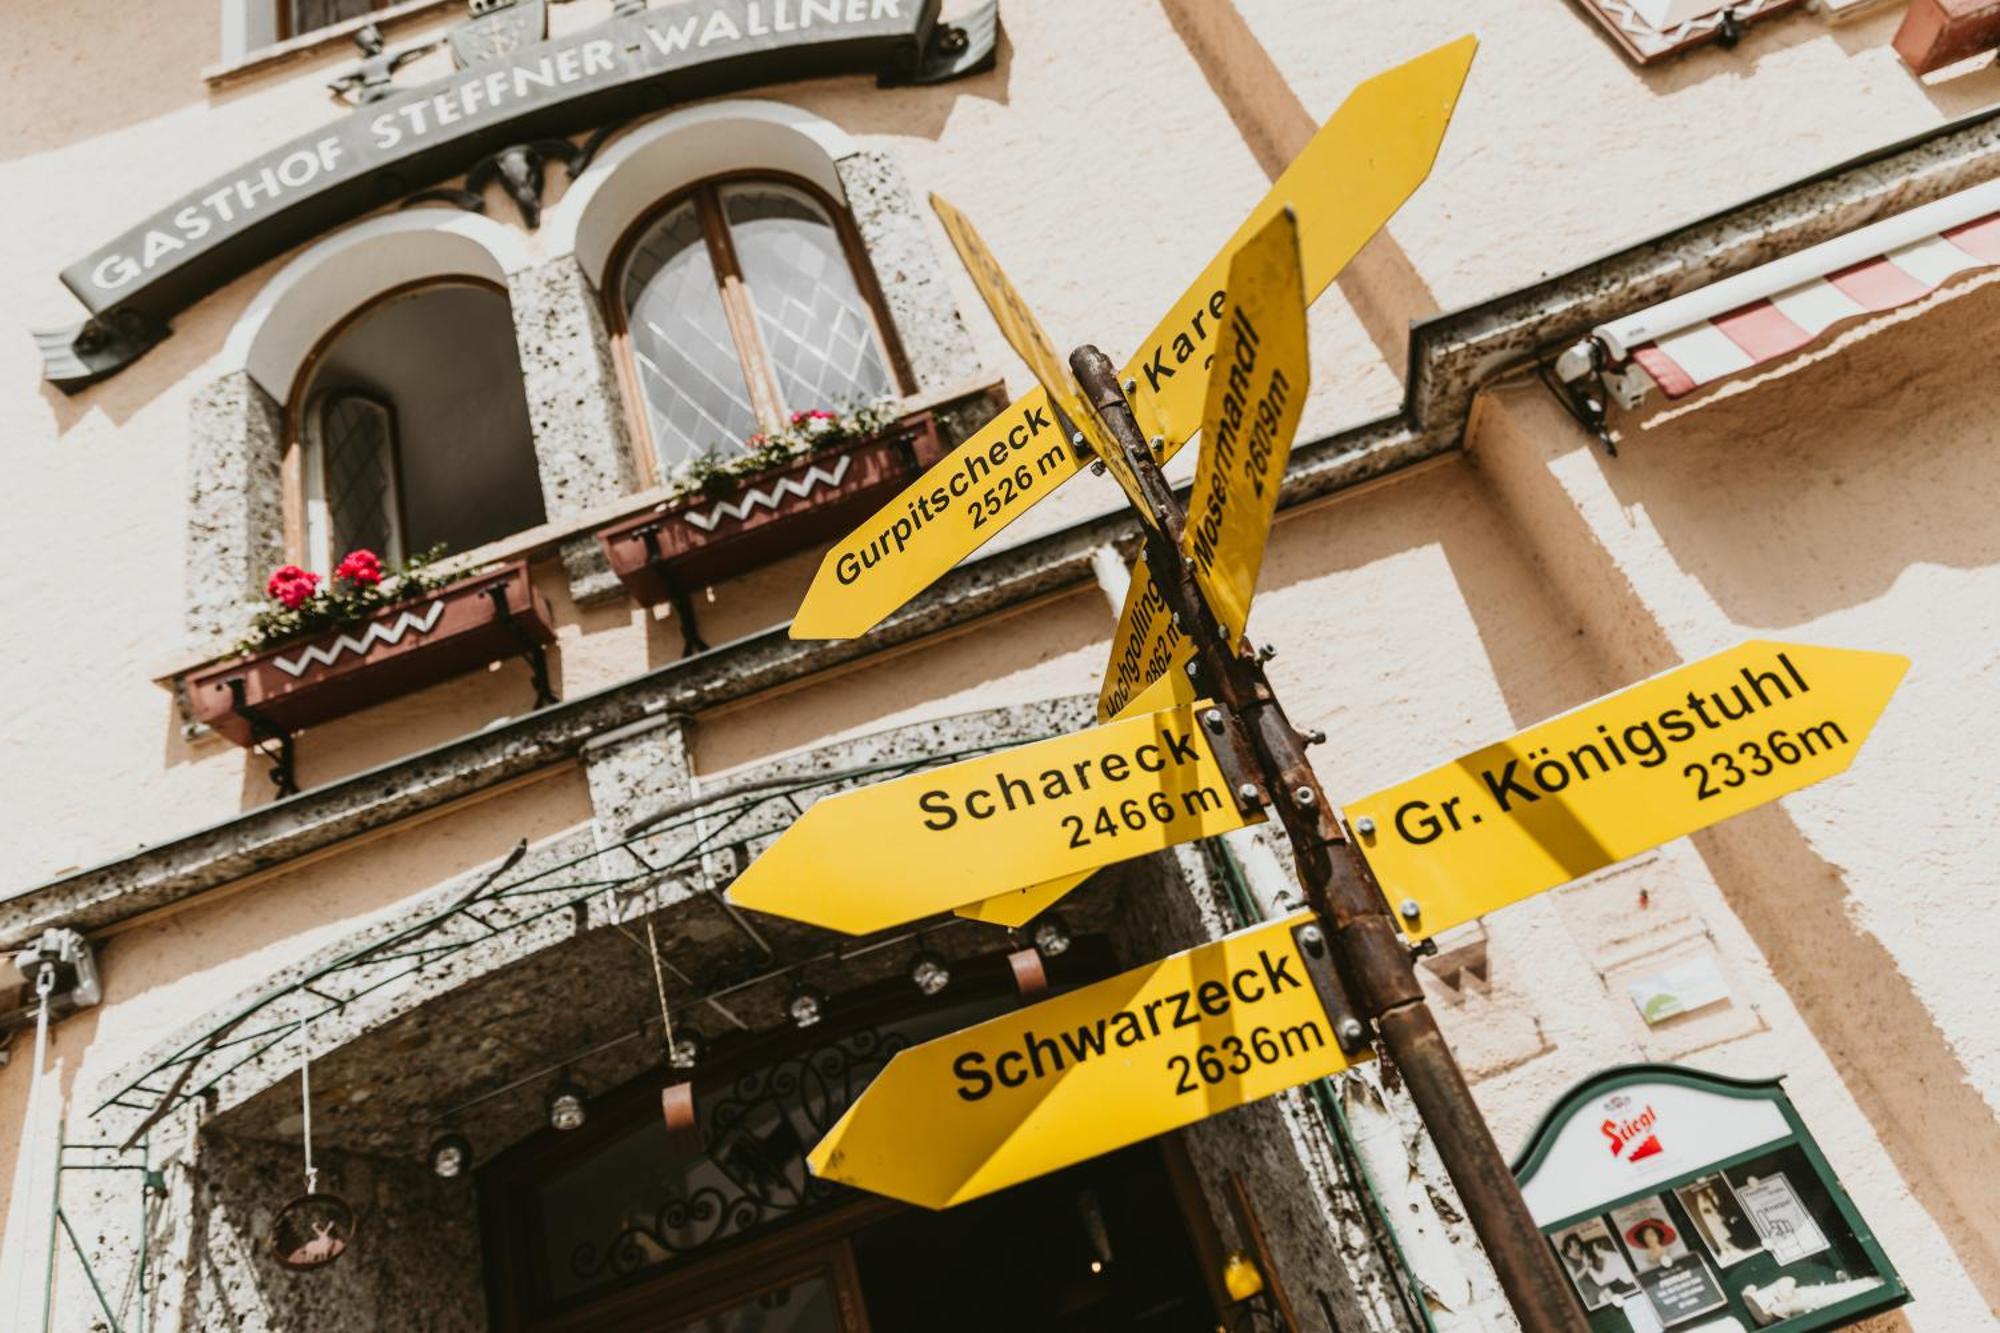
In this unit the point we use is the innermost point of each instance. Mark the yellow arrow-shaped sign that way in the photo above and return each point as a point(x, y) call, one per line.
point(1257, 392)
point(1369, 157)
point(1609, 780)
point(1030, 341)
point(1121, 1060)
point(1024, 905)
point(933, 841)
point(1256, 395)
point(1146, 647)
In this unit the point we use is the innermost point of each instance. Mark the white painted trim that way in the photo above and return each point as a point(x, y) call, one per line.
point(306, 297)
point(679, 148)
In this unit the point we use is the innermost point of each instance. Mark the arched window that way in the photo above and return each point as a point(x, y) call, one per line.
point(741, 301)
point(413, 429)
point(297, 17)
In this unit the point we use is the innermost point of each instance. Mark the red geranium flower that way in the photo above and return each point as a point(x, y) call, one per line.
point(361, 567)
point(292, 586)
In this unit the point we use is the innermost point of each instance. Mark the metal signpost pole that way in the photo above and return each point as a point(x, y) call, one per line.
point(1267, 763)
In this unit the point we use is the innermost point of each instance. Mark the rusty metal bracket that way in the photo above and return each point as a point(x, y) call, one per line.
point(1350, 1029)
point(1233, 755)
point(265, 733)
point(532, 653)
point(691, 640)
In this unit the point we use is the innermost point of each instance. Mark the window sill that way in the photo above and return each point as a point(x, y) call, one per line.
point(546, 542)
point(317, 42)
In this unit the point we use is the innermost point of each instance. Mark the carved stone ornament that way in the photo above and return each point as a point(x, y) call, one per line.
point(497, 29)
point(520, 168)
point(82, 354)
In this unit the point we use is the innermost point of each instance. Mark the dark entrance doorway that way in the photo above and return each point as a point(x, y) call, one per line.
point(618, 1227)
point(1103, 1246)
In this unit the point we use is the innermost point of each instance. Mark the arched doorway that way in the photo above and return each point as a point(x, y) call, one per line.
point(622, 1226)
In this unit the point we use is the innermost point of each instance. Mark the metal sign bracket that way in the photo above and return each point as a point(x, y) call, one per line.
point(1316, 954)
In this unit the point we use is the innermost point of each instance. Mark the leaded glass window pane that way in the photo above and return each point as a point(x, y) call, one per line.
point(810, 312)
point(358, 462)
point(308, 15)
point(690, 374)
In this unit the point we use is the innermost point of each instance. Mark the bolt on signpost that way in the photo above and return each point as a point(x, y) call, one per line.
point(1192, 742)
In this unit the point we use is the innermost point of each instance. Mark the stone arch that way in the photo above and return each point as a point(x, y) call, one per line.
point(236, 436)
point(279, 328)
point(682, 147)
point(654, 159)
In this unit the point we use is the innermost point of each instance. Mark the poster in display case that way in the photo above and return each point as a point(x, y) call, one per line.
point(1687, 1201)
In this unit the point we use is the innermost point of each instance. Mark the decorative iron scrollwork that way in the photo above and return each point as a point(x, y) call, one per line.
point(755, 1136)
point(520, 170)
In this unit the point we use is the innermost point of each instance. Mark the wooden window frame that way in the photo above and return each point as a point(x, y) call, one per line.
point(299, 403)
point(737, 308)
point(312, 455)
point(286, 32)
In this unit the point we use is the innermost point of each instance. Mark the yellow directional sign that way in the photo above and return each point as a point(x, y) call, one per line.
point(1256, 395)
point(1611, 779)
point(1147, 646)
point(1025, 334)
point(1024, 905)
point(937, 840)
point(1354, 173)
point(1108, 1064)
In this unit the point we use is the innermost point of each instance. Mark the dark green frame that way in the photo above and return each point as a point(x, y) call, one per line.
point(1892, 1292)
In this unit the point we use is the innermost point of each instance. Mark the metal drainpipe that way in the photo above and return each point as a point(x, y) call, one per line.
point(1249, 910)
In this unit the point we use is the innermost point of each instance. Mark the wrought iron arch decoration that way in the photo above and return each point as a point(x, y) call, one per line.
point(397, 963)
point(418, 137)
point(751, 1137)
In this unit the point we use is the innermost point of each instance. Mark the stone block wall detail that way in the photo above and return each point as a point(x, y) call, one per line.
point(934, 338)
point(638, 770)
point(583, 445)
point(236, 525)
point(415, 1263)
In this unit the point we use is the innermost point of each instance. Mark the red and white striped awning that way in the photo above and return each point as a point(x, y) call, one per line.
point(1775, 309)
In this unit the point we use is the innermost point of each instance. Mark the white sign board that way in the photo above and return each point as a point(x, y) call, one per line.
point(1638, 1135)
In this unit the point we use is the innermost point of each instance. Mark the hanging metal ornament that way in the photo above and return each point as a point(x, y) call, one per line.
point(676, 1098)
point(314, 1229)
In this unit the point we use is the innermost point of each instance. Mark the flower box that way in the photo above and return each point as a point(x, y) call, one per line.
point(402, 648)
point(696, 539)
point(1936, 33)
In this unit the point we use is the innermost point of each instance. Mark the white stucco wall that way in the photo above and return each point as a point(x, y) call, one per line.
point(1849, 502)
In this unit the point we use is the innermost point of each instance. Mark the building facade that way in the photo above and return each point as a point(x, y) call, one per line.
point(607, 318)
